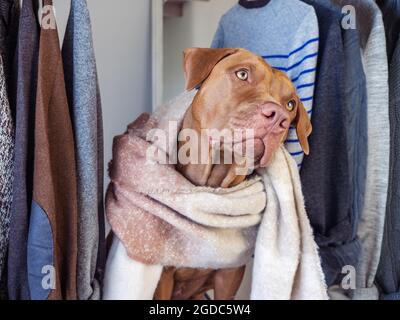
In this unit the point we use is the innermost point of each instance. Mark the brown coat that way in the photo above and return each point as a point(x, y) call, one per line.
point(55, 188)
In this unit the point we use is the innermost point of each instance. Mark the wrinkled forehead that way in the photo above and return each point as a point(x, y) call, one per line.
point(244, 59)
point(283, 84)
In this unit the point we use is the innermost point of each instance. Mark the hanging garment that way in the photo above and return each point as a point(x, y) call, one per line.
point(52, 238)
point(85, 107)
point(182, 225)
point(285, 34)
point(391, 19)
point(6, 174)
point(388, 274)
point(253, 4)
point(333, 175)
point(370, 230)
point(27, 62)
point(9, 21)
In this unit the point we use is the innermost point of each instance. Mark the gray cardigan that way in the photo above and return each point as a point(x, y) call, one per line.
point(370, 230)
point(85, 109)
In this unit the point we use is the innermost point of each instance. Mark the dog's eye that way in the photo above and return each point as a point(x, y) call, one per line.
point(242, 75)
point(291, 105)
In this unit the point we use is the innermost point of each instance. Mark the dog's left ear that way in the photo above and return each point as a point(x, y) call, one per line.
point(303, 127)
point(199, 62)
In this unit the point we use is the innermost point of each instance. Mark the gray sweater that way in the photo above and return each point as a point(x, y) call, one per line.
point(85, 109)
point(370, 230)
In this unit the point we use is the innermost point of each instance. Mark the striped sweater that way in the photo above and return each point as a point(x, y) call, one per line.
point(285, 34)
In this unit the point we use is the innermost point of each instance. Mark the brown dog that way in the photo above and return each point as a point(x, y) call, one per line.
point(238, 91)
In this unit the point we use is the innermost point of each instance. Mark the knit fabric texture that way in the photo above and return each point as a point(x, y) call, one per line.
point(85, 109)
point(9, 21)
point(6, 170)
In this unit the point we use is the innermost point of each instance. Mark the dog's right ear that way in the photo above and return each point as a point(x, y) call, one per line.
point(303, 127)
point(199, 62)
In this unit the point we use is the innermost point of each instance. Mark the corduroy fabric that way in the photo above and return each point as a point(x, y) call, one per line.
point(54, 181)
point(85, 108)
point(27, 61)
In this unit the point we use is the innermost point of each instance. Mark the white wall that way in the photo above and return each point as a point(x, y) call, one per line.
point(195, 29)
point(121, 35)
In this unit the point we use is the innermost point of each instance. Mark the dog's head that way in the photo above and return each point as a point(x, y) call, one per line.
point(239, 91)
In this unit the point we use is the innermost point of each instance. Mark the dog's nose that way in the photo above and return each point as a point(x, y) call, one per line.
point(277, 119)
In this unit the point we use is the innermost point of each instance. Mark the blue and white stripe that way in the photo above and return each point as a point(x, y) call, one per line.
point(300, 65)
